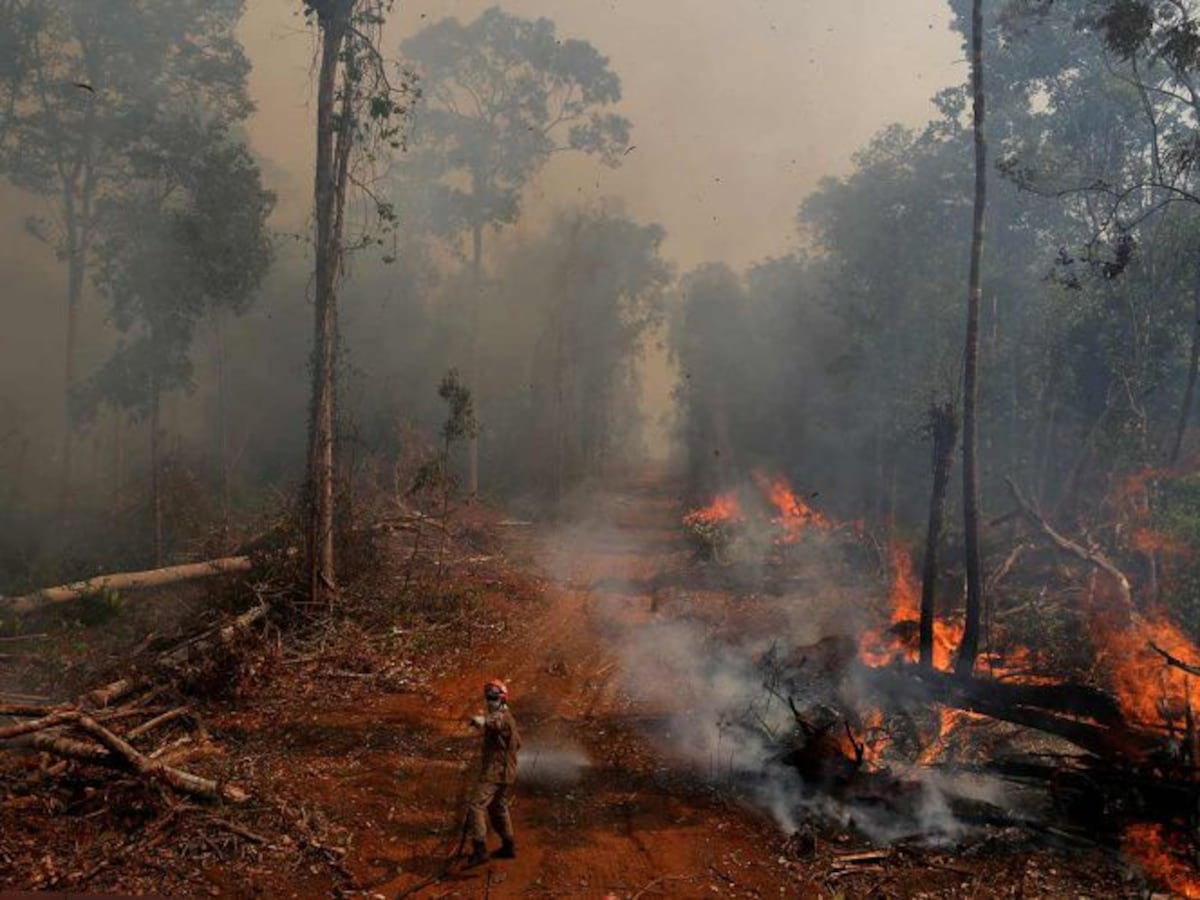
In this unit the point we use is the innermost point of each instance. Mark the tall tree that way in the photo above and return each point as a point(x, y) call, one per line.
point(357, 108)
point(185, 238)
point(79, 111)
point(969, 649)
point(500, 96)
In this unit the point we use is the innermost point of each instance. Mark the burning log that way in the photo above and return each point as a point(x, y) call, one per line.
point(1084, 716)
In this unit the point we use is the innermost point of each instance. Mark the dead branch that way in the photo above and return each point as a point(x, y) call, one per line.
point(51, 721)
point(69, 748)
point(103, 696)
point(159, 720)
point(222, 635)
point(24, 710)
point(1174, 661)
point(184, 782)
point(126, 581)
point(1005, 567)
point(1092, 556)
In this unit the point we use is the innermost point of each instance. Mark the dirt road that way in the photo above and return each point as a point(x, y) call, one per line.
point(600, 811)
point(613, 800)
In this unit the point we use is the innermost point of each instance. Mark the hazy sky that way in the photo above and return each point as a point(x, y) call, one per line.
point(738, 106)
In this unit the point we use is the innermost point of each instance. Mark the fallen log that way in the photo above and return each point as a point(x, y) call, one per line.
point(126, 581)
point(34, 725)
point(1076, 713)
point(126, 754)
point(221, 636)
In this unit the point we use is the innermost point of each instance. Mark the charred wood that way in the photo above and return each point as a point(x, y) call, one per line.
point(1085, 717)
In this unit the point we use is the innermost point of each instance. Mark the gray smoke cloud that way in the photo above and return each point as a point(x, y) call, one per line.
point(694, 661)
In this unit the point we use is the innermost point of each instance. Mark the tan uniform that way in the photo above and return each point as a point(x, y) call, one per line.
point(498, 772)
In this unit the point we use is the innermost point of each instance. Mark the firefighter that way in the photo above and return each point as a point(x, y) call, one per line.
point(493, 792)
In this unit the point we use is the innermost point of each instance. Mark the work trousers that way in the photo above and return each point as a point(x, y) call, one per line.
point(491, 801)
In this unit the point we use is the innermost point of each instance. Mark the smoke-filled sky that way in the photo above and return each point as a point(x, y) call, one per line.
point(738, 106)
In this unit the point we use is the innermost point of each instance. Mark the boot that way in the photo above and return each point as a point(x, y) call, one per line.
point(479, 855)
point(506, 851)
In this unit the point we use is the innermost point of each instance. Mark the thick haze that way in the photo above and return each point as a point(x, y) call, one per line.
point(738, 109)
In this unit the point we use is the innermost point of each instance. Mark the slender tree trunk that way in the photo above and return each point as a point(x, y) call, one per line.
point(75, 275)
point(1189, 394)
point(476, 308)
point(155, 475)
point(223, 429)
point(970, 641)
point(333, 20)
point(943, 427)
point(118, 477)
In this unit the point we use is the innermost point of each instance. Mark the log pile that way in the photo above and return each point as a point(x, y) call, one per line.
point(125, 725)
point(118, 737)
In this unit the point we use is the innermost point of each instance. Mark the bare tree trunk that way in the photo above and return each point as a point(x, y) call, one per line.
point(118, 475)
point(943, 427)
point(1189, 394)
point(477, 303)
point(334, 20)
point(75, 275)
point(970, 641)
point(155, 479)
point(223, 430)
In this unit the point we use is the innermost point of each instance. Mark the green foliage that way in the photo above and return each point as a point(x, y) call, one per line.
point(187, 237)
point(1176, 516)
point(77, 118)
point(100, 608)
point(460, 413)
point(499, 96)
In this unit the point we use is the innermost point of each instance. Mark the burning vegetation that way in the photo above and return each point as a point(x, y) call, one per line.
point(1116, 699)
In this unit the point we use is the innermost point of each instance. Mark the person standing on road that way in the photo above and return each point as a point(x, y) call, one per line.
point(497, 775)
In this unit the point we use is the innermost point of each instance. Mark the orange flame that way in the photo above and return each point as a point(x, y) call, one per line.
point(1147, 689)
point(1146, 844)
point(795, 516)
point(725, 508)
point(793, 519)
point(898, 641)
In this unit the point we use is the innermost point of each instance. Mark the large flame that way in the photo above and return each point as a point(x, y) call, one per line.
point(1146, 844)
point(1149, 691)
point(898, 641)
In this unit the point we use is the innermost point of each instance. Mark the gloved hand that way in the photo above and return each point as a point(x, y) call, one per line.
point(477, 721)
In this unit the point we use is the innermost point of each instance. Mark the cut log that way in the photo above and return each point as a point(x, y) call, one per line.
point(34, 725)
point(103, 696)
point(126, 581)
point(184, 782)
point(207, 641)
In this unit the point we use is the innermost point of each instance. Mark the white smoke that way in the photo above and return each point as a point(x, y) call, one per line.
point(690, 661)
